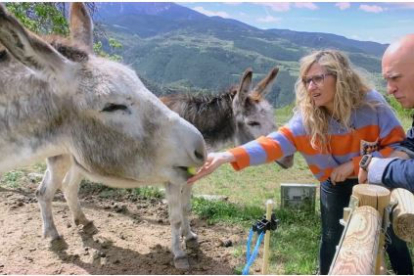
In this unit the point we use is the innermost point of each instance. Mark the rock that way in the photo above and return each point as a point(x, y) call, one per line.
point(35, 177)
point(212, 197)
point(227, 243)
point(116, 262)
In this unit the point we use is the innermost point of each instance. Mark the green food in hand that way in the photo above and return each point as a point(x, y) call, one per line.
point(192, 170)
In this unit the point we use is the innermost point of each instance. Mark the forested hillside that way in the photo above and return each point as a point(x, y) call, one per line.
point(173, 47)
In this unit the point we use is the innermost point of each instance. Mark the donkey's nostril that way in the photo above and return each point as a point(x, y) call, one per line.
point(199, 155)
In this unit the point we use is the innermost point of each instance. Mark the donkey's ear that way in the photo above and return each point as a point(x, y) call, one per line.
point(265, 85)
point(30, 49)
point(244, 87)
point(81, 26)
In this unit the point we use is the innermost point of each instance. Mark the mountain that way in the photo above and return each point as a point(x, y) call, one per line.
point(172, 46)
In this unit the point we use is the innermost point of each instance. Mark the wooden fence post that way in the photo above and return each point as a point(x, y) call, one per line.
point(360, 250)
point(403, 214)
point(265, 266)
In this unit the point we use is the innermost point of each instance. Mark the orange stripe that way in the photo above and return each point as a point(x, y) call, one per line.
point(327, 174)
point(396, 135)
point(242, 158)
point(345, 144)
point(355, 162)
point(271, 147)
point(303, 145)
point(386, 151)
point(314, 169)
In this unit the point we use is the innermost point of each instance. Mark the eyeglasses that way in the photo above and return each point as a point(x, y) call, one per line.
point(317, 79)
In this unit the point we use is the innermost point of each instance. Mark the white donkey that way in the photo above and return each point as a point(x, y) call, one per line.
point(57, 99)
point(240, 115)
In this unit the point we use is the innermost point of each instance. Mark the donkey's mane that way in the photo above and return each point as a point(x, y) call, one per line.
point(202, 99)
point(73, 51)
point(212, 115)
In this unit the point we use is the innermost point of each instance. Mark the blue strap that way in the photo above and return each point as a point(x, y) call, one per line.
point(252, 257)
point(249, 242)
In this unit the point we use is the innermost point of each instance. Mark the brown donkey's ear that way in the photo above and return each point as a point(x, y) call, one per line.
point(29, 49)
point(244, 87)
point(264, 86)
point(81, 25)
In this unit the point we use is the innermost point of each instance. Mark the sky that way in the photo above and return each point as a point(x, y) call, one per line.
point(369, 21)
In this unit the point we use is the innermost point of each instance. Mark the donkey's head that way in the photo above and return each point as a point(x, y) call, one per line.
point(95, 109)
point(253, 113)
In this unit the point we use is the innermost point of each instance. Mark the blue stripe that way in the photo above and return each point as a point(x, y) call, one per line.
point(287, 147)
point(256, 153)
point(295, 125)
point(341, 159)
point(323, 161)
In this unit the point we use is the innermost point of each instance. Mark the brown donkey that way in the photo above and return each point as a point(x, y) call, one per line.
point(233, 118)
point(57, 99)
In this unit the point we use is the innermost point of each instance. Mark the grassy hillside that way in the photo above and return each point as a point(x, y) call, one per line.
point(204, 62)
point(172, 46)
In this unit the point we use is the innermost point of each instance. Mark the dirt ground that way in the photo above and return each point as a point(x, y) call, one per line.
point(127, 238)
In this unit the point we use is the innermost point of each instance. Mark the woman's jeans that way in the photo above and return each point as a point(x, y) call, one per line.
point(333, 199)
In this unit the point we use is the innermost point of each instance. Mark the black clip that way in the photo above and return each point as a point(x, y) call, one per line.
point(265, 225)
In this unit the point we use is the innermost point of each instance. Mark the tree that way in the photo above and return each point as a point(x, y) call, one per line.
point(42, 18)
point(50, 18)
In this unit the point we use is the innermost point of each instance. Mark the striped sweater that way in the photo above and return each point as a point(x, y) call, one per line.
point(376, 127)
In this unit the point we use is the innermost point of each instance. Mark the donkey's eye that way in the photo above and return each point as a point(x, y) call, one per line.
point(114, 107)
point(253, 124)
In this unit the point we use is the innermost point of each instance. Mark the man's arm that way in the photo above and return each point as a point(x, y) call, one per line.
point(392, 172)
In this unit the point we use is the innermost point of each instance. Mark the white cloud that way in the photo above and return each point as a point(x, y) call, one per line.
point(283, 7)
point(402, 5)
point(277, 7)
point(306, 5)
point(372, 8)
point(343, 5)
point(269, 19)
point(211, 13)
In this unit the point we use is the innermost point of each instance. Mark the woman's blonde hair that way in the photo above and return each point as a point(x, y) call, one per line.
point(350, 93)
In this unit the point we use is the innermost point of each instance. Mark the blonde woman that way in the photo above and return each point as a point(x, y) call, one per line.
point(338, 118)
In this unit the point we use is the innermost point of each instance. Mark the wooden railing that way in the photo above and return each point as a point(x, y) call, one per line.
point(361, 248)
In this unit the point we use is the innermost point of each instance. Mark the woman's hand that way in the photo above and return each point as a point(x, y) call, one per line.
point(342, 172)
point(214, 160)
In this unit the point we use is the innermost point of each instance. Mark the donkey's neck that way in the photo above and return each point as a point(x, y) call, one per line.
point(30, 118)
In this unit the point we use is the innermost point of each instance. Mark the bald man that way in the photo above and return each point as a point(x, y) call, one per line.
point(398, 170)
point(398, 71)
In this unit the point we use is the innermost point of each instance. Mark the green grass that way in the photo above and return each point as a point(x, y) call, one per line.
point(294, 245)
point(13, 179)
